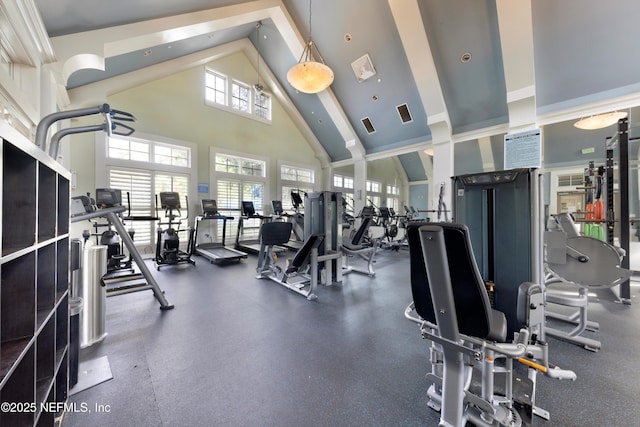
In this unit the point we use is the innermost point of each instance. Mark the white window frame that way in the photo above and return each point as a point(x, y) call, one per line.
point(348, 192)
point(281, 182)
point(228, 105)
point(214, 175)
point(225, 92)
point(393, 197)
point(103, 162)
point(375, 196)
point(243, 179)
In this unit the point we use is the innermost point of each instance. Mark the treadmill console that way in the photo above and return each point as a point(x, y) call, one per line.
point(248, 209)
point(277, 207)
point(108, 197)
point(209, 208)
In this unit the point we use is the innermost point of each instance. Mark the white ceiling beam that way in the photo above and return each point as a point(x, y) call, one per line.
point(516, 37)
point(406, 14)
point(108, 42)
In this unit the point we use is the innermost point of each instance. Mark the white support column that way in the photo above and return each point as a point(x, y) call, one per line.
point(486, 153)
point(359, 185)
point(442, 173)
point(406, 14)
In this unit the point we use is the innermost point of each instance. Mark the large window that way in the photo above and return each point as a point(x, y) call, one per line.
point(148, 151)
point(226, 93)
point(239, 179)
point(139, 189)
point(295, 178)
point(374, 193)
point(393, 195)
point(344, 184)
point(142, 168)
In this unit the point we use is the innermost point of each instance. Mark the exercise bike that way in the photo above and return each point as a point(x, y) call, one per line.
point(168, 250)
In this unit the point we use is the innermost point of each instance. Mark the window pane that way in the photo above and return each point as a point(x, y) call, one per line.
point(252, 168)
point(138, 184)
point(348, 182)
point(227, 164)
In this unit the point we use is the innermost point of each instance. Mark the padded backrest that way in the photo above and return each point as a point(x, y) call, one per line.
point(470, 299)
point(276, 233)
point(419, 281)
point(301, 257)
point(361, 231)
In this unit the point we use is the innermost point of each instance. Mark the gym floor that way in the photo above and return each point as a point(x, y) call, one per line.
point(238, 351)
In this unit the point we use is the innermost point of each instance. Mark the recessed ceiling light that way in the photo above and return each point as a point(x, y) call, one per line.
point(466, 57)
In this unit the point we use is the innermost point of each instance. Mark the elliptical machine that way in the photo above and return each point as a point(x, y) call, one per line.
point(168, 250)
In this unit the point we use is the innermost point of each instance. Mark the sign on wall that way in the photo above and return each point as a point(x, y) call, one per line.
point(523, 150)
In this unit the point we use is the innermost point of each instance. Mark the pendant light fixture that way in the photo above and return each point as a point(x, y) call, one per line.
point(258, 87)
point(600, 121)
point(309, 75)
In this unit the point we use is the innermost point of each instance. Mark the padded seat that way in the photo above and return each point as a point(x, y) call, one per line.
point(474, 314)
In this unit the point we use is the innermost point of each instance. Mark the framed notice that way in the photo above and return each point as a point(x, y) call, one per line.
point(523, 150)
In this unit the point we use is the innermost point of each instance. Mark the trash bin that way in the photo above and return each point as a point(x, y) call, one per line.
point(94, 295)
point(75, 308)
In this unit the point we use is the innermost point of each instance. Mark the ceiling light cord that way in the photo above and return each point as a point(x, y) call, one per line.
point(258, 86)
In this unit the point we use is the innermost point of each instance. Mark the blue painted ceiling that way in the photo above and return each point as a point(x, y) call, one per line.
point(584, 54)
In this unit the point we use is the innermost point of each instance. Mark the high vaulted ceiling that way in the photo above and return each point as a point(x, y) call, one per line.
point(468, 71)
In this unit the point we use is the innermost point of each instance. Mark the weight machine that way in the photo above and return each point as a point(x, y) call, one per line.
point(586, 262)
point(473, 378)
point(323, 216)
point(302, 268)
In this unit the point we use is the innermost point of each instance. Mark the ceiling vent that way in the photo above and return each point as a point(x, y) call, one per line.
point(405, 114)
point(368, 125)
point(363, 68)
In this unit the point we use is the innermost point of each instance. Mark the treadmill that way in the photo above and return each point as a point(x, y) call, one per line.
point(251, 245)
point(215, 252)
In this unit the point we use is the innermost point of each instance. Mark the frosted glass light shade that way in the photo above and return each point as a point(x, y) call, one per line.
point(600, 121)
point(310, 76)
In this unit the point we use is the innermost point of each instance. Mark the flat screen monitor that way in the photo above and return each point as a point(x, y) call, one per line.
point(170, 200)
point(277, 207)
point(108, 197)
point(248, 209)
point(209, 207)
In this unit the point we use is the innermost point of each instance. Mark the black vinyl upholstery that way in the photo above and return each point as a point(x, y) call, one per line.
point(474, 314)
point(276, 233)
point(301, 257)
point(360, 232)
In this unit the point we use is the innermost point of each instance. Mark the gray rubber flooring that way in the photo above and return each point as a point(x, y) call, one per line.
point(238, 351)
